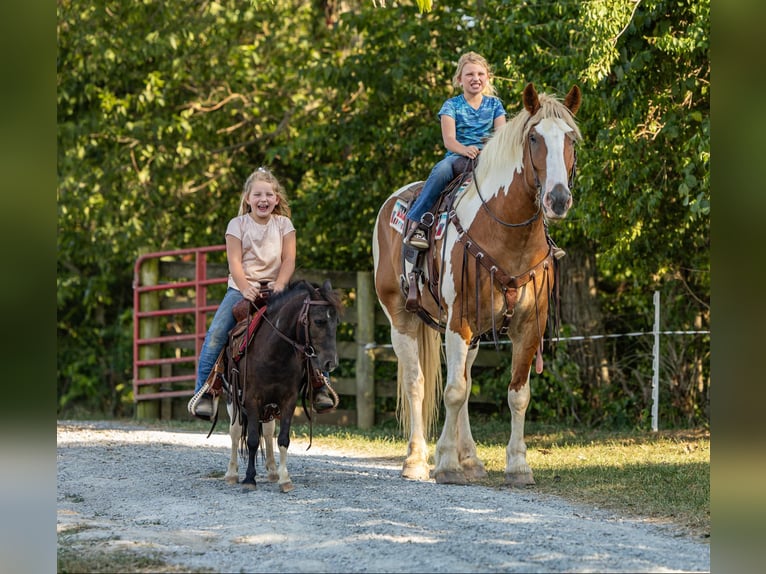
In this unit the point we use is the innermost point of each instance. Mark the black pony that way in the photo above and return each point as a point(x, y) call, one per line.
point(294, 341)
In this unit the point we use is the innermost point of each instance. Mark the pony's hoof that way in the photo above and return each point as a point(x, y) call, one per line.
point(450, 477)
point(519, 480)
point(413, 471)
point(247, 487)
point(231, 479)
point(286, 487)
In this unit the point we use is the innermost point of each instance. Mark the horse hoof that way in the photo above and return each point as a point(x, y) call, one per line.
point(246, 487)
point(415, 472)
point(475, 472)
point(231, 479)
point(286, 487)
point(450, 477)
point(519, 480)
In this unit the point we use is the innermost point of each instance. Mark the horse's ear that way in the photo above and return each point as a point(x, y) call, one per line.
point(327, 286)
point(530, 99)
point(573, 99)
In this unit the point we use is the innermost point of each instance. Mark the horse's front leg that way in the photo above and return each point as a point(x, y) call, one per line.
point(284, 480)
point(473, 467)
point(412, 386)
point(235, 432)
point(517, 471)
point(268, 446)
point(253, 441)
point(448, 466)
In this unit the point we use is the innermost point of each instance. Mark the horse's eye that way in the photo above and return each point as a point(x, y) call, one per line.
point(532, 138)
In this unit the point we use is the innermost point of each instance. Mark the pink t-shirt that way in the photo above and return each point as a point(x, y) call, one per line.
point(261, 246)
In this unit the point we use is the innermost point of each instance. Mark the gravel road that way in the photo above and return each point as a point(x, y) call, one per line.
point(122, 486)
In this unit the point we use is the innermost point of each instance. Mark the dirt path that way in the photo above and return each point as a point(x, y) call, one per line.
point(122, 486)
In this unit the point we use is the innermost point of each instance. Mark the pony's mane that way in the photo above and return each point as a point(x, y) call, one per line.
point(304, 287)
point(507, 144)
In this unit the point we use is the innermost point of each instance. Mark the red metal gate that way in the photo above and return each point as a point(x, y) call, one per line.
point(170, 311)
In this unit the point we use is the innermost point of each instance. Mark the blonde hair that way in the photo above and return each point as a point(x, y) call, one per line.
point(479, 60)
point(263, 174)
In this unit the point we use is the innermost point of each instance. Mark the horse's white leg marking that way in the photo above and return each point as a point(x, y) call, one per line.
point(267, 438)
point(406, 348)
point(235, 432)
point(285, 483)
point(456, 391)
point(517, 471)
point(469, 461)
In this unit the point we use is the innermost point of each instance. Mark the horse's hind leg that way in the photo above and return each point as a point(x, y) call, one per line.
point(268, 447)
point(284, 480)
point(412, 382)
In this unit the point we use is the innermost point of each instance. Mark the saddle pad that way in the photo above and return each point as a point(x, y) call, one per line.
point(398, 215)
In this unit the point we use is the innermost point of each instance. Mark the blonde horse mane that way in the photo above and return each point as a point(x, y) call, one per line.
point(506, 146)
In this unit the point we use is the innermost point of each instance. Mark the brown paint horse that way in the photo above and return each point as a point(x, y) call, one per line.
point(495, 273)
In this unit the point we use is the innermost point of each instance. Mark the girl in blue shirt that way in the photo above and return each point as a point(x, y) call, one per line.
point(466, 121)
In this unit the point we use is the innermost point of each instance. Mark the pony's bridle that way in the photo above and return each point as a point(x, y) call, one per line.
point(306, 349)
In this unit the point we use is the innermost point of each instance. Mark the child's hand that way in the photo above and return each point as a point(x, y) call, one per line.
point(251, 293)
point(276, 287)
point(471, 152)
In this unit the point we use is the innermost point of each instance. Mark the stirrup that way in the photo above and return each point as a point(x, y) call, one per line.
point(417, 239)
point(195, 400)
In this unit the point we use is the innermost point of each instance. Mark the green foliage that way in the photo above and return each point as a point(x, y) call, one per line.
point(165, 108)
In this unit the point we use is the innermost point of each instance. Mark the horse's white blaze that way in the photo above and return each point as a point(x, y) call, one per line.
point(555, 131)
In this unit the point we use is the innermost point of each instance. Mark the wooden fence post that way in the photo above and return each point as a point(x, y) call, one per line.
point(365, 358)
point(149, 327)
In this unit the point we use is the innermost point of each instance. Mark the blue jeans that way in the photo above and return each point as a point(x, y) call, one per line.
point(440, 176)
point(217, 336)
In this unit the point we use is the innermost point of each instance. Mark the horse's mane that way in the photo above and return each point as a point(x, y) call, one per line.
point(506, 146)
point(303, 286)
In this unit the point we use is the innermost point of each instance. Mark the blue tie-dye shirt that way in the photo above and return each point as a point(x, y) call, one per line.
point(472, 126)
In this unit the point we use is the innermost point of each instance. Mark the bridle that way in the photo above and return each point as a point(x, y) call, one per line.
point(306, 349)
point(538, 187)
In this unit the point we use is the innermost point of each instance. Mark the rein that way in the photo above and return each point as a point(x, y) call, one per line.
point(305, 349)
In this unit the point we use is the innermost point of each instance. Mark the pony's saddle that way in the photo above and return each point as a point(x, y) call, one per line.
point(248, 315)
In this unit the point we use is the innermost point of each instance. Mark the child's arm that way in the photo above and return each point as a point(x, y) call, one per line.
point(234, 257)
point(450, 139)
point(287, 267)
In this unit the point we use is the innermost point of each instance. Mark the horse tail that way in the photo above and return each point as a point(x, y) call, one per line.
point(429, 355)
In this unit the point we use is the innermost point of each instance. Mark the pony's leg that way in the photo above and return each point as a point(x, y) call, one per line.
point(411, 379)
point(268, 445)
point(448, 468)
point(285, 482)
point(517, 471)
point(473, 467)
point(253, 441)
point(235, 432)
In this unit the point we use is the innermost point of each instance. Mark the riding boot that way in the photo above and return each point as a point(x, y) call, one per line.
point(322, 402)
point(204, 403)
point(416, 236)
point(558, 253)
